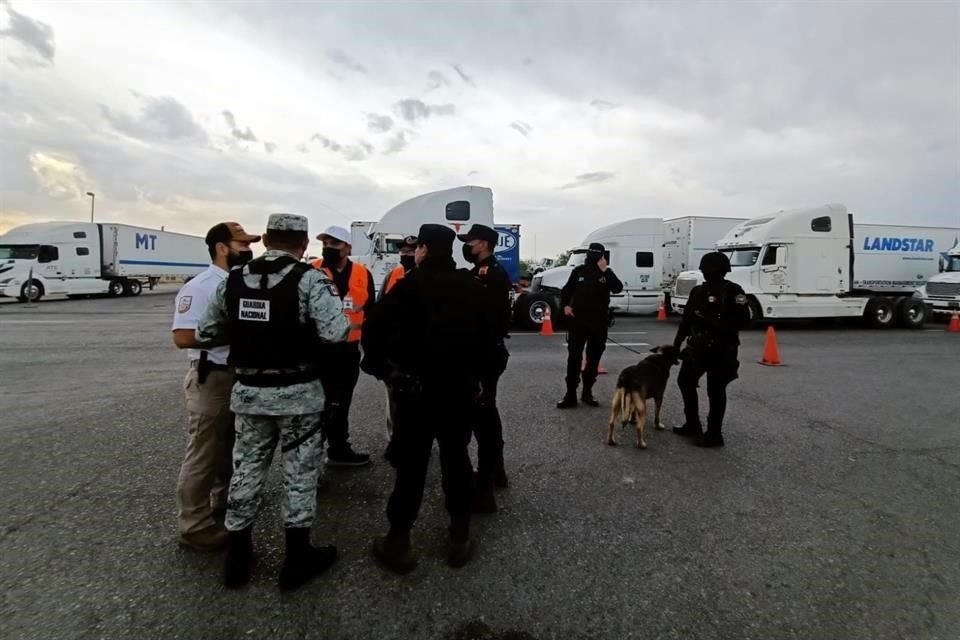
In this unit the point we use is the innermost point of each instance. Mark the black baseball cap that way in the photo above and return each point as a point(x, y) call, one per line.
point(481, 232)
point(436, 237)
point(596, 247)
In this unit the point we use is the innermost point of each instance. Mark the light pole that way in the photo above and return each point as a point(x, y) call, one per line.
point(93, 200)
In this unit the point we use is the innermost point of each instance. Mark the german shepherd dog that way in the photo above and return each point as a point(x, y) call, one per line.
point(646, 379)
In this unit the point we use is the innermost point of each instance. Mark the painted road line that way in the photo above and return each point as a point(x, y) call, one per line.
point(623, 344)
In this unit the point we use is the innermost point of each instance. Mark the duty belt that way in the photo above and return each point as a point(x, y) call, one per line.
point(213, 366)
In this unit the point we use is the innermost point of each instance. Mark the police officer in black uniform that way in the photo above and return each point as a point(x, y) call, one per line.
point(423, 338)
point(479, 244)
point(715, 313)
point(586, 304)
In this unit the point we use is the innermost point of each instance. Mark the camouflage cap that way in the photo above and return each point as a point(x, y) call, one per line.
point(286, 222)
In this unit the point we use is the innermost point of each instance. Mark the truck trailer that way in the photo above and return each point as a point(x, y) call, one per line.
point(647, 254)
point(816, 263)
point(82, 258)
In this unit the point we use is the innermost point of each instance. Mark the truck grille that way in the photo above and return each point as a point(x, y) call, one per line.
point(684, 287)
point(943, 289)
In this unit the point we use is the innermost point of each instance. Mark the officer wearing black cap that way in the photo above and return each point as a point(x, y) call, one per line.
point(423, 338)
point(712, 319)
point(586, 304)
point(479, 244)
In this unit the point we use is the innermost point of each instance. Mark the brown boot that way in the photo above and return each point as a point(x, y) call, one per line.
point(210, 539)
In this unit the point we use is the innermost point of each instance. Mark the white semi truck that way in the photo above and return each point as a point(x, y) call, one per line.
point(458, 208)
point(816, 263)
point(647, 254)
point(82, 258)
point(941, 294)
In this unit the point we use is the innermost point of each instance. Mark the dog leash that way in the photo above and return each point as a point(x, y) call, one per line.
point(622, 346)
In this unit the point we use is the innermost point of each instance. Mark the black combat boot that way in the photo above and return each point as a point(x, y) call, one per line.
point(393, 551)
point(694, 431)
point(459, 547)
point(587, 397)
point(710, 440)
point(569, 400)
point(236, 564)
point(303, 561)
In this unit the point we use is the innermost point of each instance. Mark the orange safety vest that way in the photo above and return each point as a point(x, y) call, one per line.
point(355, 297)
point(395, 276)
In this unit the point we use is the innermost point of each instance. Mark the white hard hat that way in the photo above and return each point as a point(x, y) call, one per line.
point(337, 233)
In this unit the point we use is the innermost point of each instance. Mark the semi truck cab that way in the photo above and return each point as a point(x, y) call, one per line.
point(941, 294)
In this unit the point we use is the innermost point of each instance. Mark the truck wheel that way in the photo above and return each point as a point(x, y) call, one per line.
point(754, 313)
point(30, 291)
point(134, 287)
point(117, 288)
point(532, 309)
point(912, 313)
point(881, 313)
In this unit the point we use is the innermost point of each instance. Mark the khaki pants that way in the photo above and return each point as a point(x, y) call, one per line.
point(207, 465)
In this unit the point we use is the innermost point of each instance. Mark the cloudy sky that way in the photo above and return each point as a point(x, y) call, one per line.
point(575, 114)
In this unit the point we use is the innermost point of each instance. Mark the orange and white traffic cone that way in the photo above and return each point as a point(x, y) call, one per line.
point(771, 354)
point(661, 312)
point(546, 329)
point(954, 326)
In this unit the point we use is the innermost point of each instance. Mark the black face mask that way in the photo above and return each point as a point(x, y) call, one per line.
point(331, 256)
point(408, 262)
point(239, 258)
point(468, 253)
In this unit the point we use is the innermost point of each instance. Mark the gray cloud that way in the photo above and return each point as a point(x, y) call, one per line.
point(326, 142)
point(412, 109)
point(602, 105)
point(378, 123)
point(473, 173)
point(37, 37)
point(463, 75)
point(270, 147)
point(240, 134)
point(303, 147)
point(397, 143)
point(437, 80)
point(160, 119)
point(522, 127)
point(588, 178)
point(342, 59)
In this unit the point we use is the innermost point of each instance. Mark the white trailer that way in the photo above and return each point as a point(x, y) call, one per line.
point(360, 237)
point(687, 239)
point(647, 254)
point(458, 208)
point(815, 263)
point(82, 258)
point(941, 294)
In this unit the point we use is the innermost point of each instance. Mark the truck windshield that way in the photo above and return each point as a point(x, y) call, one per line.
point(577, 259)
point(746, 257)
point(392, 244)
point(19, 251)
point(953, 264)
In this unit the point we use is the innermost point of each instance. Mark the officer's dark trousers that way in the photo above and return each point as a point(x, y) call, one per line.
point(488, 429)
point(434, 414)
point(340, 367)
point(595, 341)
point(721, 368)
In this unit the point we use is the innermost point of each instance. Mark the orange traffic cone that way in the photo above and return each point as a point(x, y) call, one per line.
point(771, 355)
point(546, 329)
point(661, 312)
point(954, 326)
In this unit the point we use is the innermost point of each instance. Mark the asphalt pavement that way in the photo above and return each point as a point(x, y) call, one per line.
point(832, 513)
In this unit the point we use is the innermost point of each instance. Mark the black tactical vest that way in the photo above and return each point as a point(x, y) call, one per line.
point(265, 327)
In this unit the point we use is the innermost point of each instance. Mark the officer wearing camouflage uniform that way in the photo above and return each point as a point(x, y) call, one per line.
point(274, 313)
point(715, 313)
